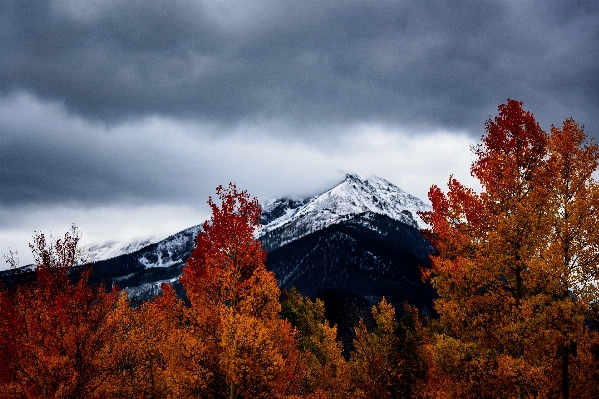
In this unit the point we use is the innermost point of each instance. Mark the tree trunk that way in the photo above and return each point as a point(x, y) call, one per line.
point(565, 374)
point(233, 388)
point(521, 392)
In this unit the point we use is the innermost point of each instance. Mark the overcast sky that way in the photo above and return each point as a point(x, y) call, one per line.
point(123, 116)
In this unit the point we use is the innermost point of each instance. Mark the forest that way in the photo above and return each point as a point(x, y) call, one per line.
point(515, 267)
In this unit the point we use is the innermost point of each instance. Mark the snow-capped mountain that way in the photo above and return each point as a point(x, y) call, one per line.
point(359, 240)
point(352, 196)
point(286, 220)
point(290, 219)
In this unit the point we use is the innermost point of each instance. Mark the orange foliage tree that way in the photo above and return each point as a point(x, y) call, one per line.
point(513, 265)
point(143, 351)
point(56, 335)
point(571, 253)
point(235, 343)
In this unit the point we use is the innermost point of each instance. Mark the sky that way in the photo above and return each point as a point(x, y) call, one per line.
point(122, 117)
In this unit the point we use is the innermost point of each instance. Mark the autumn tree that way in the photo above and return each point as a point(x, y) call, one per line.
point(389, 361)
point(327, 371)
point(56, 334)
point(572, 250)
point(141, 342)
point(507, 259)
point(374, 362)
point(237, 346)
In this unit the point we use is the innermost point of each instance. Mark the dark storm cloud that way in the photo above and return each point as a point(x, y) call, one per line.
point(425, 64)
point(49, 157)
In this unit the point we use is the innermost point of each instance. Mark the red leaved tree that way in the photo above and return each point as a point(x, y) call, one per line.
point(56, 335)
point(236, 342)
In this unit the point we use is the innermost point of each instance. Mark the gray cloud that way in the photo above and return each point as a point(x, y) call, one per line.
point(419, 63)
point(145, 106)
point(50, 157)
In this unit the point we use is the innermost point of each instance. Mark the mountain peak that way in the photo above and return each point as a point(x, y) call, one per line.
point(353, 176)
point(353, 196)
point(356, 194)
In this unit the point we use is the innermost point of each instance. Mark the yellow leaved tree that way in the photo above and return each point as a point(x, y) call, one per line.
point(514, 265)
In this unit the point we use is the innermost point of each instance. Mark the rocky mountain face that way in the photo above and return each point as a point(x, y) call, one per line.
point(350, 246)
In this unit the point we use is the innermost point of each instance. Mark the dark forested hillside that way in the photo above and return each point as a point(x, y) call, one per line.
point(353, 264)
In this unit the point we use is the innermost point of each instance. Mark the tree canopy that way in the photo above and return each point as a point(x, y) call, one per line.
point(515, 266)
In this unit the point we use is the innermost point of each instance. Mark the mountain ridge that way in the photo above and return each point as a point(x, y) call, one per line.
point(360, 239)
point(292, 218)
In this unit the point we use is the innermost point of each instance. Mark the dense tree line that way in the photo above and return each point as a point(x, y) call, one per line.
point(236, 338)
point(515, 267)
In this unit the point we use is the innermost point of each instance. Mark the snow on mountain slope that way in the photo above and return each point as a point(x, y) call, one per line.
point(110, 249)
point(172, 250)
point(166, 252)
point(273, 209)
point(354, 195)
